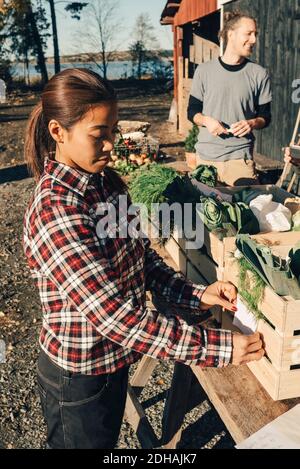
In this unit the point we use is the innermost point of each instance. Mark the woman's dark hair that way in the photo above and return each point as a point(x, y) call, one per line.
point(231, 20)
point(66, 98)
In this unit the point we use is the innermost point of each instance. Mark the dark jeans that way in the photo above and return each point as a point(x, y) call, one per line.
point(81, 411)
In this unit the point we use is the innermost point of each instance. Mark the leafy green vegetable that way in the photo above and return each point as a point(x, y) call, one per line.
point(296, 221)
point(125, 168)
point(206, 174)
point(251, 294)
point(148, 184)
point(191, 139)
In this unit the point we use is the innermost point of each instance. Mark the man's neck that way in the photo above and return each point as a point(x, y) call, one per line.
point(232, 58)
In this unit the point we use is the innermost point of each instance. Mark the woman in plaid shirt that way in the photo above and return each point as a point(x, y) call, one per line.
point(92, 288)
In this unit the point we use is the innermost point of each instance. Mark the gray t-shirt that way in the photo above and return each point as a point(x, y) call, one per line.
point(229, 97)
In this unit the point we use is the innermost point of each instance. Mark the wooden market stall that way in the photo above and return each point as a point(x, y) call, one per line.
point(246, 397)
point(195, 25)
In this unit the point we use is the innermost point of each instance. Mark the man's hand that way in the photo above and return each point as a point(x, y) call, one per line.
point(214, 126)
point(246, 348)
point(219, 293)
point(242, 128)
point(288, 157)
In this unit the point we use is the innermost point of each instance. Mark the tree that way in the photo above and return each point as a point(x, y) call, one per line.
point(144, 42)
point(138, 56)
point(37, 40)
point(101, 31)
point(5, 72)
point(74, 8)
point(25, 32)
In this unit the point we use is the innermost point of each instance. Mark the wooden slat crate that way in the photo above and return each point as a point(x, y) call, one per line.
point(279, 371)
point(210, 260)
point(195, 276)
point(175, 246)
point(216, 248)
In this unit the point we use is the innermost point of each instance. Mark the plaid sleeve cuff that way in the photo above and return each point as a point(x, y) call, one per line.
point(196, 293)
point(218, 351)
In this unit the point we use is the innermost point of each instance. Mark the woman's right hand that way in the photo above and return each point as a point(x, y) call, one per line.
point(246, 348)
point(288, 157)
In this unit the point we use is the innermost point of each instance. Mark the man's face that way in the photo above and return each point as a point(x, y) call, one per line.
point(243, 38)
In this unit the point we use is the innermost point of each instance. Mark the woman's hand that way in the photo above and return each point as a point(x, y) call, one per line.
point(288, 157)
point(219, 293)
point(246, 348)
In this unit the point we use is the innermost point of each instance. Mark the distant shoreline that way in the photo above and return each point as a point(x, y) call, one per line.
point(86, 57)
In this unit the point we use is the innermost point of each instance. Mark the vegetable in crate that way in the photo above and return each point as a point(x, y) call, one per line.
point(242, 217)
point(212, 213)
point(296, 221)
point(227, 218)
point(182, 191)
point(148, 185)
point(274, 270)
point(206, 174)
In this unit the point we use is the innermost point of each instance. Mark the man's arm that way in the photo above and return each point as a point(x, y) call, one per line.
point(263, 120)
point(195, 115)
point(263, 111)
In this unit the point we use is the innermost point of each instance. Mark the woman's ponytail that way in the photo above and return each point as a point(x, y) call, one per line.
point(38, 142)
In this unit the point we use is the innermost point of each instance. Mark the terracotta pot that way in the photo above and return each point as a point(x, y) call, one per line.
point(191, 160)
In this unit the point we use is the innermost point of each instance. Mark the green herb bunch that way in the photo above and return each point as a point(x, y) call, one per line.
point(191, 140)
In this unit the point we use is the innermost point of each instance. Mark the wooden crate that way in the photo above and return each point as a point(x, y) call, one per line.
point(196, 276)
point(279, 372)
point(175, 246)
point(205, 265)
point(216, 248)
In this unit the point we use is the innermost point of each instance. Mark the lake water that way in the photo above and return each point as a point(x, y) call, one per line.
point(115, 71)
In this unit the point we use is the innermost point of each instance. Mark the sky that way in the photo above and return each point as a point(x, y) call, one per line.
point(128, 10)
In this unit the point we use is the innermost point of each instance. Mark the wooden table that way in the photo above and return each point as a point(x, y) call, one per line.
point(240, 400)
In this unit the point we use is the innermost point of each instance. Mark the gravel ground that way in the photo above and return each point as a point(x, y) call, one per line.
point(21, 421)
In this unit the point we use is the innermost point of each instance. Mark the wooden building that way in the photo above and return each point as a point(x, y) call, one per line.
point(195, 25)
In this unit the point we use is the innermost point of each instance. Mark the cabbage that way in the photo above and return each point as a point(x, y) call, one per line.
point(296, 221)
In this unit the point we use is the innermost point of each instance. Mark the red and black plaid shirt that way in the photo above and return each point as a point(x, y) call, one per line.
point(92, 290)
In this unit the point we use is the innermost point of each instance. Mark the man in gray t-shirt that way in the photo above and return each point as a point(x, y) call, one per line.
point(230, 97)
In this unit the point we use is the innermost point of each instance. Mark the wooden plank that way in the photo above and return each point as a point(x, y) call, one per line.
point(279, 349)
point(214, 247)
point(175, 246)
point(135, 415)
point(194, 275)
point(206, 266)
point(264, 163)
point(186, 68)
point(142, 374)
point(204, 50)
point(242, 403)
point(279, 384)
point(192, 54)
point(172, 444)
point(274, 371)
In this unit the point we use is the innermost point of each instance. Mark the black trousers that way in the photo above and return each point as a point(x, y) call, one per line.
point(81, 411)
